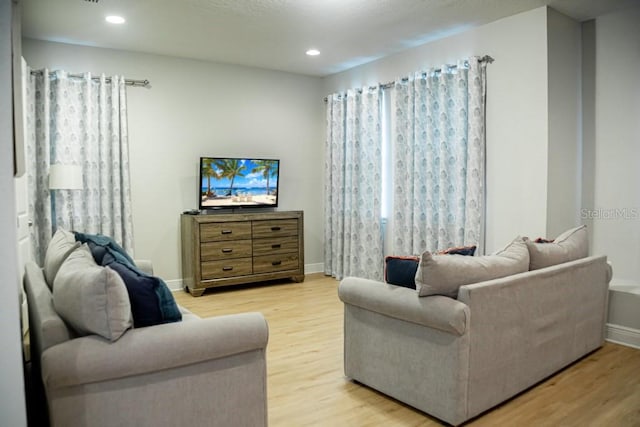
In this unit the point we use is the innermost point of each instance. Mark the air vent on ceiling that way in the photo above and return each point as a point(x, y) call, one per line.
point(92, 1)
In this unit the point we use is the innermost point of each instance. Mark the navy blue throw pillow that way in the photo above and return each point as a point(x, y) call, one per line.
point(151, 300)
point(401, 271)
point(142, 294)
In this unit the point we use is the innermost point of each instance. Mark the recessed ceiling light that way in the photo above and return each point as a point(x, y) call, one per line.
point(313, 52)
point(113, 19)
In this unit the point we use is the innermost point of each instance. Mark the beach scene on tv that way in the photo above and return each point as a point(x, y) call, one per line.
point(238, 182)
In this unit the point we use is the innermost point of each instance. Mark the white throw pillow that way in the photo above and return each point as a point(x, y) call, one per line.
point(444, 274)
point(61, 245)
point(90, 298)
point(571, 245)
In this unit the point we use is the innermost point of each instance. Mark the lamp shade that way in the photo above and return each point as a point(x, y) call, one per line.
point(65, 177)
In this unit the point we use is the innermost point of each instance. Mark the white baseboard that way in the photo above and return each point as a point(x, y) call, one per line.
point(314, 268)
point(622, 335)
point(174, 285)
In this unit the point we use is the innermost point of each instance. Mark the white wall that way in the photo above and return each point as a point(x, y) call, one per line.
point(197, 108)
point(588, 95)
point(564, 117)
point(12, 403)
point(617, 141)
point(517, 130)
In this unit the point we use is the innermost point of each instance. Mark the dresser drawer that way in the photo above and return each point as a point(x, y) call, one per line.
point(275, 228)
point(275, 245)
point(212, 251)
point(272, 263)
point(226, 268)
point(220, 231)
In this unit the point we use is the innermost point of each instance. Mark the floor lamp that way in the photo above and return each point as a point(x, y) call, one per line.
point(63, 178)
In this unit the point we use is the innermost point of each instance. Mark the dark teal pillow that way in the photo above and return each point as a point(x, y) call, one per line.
point(142, 290)
point(401, 270)
point(106, 242)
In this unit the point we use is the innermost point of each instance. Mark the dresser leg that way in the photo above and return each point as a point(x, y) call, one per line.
point(298, 279)
point(196, 292)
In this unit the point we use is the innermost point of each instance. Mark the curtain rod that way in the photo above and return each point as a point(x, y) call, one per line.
point(387, 85)
point(128, 82)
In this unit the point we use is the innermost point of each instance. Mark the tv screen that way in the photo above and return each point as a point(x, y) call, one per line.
point(238, 182)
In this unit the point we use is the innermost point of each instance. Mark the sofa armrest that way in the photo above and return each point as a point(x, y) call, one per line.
point(145, 265)
point(139, 351)
point(436, 311)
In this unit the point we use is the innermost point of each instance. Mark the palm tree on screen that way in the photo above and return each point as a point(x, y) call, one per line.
point(231, 168)
point(268, 168)
point(209, 171)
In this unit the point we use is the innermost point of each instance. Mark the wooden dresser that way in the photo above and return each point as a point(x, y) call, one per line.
point(231, 249)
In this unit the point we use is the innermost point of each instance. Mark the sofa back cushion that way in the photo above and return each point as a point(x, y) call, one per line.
point(571, 245)
point(444, 274)
point(61, 245)
point(90, 298)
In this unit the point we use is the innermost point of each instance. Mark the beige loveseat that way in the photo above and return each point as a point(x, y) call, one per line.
point(195, 372)
point(455, 356)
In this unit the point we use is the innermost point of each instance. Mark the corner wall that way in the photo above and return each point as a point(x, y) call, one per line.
point(564, 117)
point(611, 129)
point(616, 198)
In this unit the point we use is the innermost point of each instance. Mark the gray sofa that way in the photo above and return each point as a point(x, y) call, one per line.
point(195, 372)
point(455, 357)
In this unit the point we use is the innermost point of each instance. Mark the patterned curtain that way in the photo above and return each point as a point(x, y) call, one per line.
point(83, 122)
point(438, 148)
point(353, 182)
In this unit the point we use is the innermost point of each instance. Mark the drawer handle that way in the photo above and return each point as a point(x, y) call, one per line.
point(275, 229)
point(276, 246)
point(227, 268)
point(226, 232)
point(274, 263)
point(227, 250)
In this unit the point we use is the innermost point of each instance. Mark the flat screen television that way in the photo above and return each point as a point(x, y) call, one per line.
point(232, 182)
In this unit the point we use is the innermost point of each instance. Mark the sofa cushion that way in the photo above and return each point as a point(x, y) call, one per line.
point(61, 245)
point(152, 302)
point(90, 298)
point(571, 245)
point(443, 275)
point(401, 270)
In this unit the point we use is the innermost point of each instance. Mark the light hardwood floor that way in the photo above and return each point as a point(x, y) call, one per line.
point(307, 386)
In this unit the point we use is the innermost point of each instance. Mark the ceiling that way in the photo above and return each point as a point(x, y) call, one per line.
point(275, 34)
